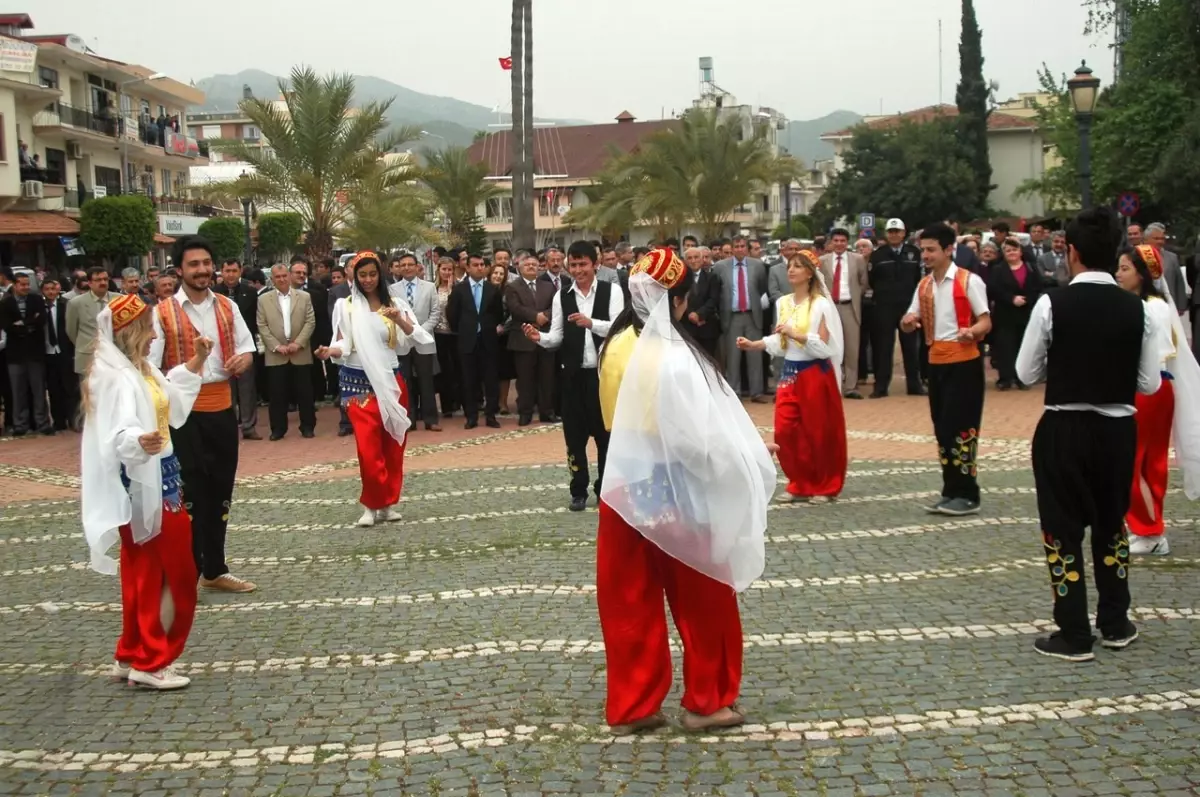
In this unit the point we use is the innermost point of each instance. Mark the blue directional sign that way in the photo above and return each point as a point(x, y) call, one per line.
point(866, 221)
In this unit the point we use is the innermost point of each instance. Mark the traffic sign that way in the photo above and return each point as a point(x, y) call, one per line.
point(866, 232)
point(1128, 204)
point(866, 221)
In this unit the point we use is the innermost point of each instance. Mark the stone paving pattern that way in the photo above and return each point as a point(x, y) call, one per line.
point(458, 653)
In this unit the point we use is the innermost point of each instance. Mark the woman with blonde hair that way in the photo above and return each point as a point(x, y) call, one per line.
point(132, 489)
point(810, 425)
point(446, 340)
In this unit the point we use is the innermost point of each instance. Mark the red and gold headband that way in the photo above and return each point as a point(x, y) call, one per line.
point(366, 254)
point(809, 257)
point(1151, 259)
point(125, 309)
point(662, 265)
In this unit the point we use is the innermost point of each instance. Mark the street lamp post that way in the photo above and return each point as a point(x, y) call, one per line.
point(248, 247)
point(1084, 88)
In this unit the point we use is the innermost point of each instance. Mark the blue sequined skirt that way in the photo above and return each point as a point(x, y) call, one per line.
point(355, 385)
point(793, 368)
point(172, 482)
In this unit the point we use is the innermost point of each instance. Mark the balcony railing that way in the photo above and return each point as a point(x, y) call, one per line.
point(59, 114)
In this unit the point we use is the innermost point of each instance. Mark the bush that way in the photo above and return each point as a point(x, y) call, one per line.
point(279, 234)
point(117, 227)
point(227, 236)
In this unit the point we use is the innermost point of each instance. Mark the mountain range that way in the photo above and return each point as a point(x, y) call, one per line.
point(456, 121)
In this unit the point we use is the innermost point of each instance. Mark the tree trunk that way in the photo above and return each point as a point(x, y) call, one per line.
point(518, 129)
point(526, 235)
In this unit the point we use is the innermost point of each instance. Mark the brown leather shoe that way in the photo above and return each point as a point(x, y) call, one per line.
point(650, 723)
point(432, 427)
point(729, 717)
point(252, 434)
point(760, 399)
point(227, 583)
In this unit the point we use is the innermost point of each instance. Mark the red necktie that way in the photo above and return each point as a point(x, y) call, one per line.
point(837, 281)
point(743, 305)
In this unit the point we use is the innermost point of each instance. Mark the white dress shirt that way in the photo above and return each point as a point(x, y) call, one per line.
point(586, 302)
point(52, 322)
point(1035, 348)
point(204, 318)
point(945, 318)
point(285, 309)
point(844, 281)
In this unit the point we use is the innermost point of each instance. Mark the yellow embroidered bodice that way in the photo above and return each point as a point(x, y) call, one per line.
point(797, 316)
point(617, 352)
point(388, 323)
point(162, 407)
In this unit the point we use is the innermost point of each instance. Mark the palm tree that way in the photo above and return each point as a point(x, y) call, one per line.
point(458, 187)
point(383, 219)
point(321, 151)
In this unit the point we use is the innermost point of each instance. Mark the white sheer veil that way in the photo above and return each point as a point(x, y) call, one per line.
point(372, 355)
point(1185, 428)
point(686, 465)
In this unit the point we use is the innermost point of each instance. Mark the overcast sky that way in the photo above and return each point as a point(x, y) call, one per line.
point(596, 58)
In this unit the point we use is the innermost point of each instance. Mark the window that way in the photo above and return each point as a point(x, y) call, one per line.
point(166, 181)
point(210, 131)
point(48, 77)
point(3, 143)
point(56, 166)
point(251, 133)
point(109, 178)
point(499, 208)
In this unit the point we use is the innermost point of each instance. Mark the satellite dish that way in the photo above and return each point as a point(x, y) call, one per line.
point(563, 209)
point(76, 43)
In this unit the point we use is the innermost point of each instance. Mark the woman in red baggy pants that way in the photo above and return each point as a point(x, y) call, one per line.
point(132, 490)
point(371, 331)
point(670, 529)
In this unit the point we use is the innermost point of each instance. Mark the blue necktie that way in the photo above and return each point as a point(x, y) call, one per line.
point(477, 291)
point(410, 293)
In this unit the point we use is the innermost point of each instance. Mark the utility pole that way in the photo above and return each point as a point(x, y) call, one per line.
point(517, 156)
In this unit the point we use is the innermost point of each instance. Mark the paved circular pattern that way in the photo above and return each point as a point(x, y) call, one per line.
point(458, 653)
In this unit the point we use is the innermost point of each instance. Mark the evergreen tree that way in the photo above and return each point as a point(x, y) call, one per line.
point(476, 239)
point(972, 98)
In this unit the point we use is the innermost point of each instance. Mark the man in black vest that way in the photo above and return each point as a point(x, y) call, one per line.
point(1094, 345)
point(476, 311)
point(579, 321)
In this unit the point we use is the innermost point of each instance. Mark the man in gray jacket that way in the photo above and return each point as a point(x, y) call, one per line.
point(743, 300)
point(1156, 236)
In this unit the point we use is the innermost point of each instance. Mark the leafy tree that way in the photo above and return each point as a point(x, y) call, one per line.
point(117, 227)
point(227, 235)
point(385, 219)
point(1059, 184)
point(279, 234)
point(458, 187)
point(972, 98)
point(801, 228)
point(320, 146)
point(916, 172)
point(609, 206)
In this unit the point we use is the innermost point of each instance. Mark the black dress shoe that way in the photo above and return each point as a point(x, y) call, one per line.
point(471, 424)
point(548, 419)
point(308, 434)
point(275, 436)
point(920, 391)
point(578, 504)
point(251, 435)
point(525, 420)
point(492, 423)
point(346, 431)
point(879, 394)
point(852, 394)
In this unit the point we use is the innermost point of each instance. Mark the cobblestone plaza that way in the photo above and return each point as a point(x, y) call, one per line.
point(458, 652)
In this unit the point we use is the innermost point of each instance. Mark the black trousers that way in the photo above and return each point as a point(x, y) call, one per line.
point(421, 390)
point(63, 388)
point(535, 382)
point(291, 384)
point(712, 346)
point(6, 396)
point(260, 378)
point(865, 349)
point(1005, 341)
point(480, 369)
point(956, 406)
point(1083, 466)
point(320, 382)
point(207, 447)
point(449, 371)
point(883, 342)
point(582, 418)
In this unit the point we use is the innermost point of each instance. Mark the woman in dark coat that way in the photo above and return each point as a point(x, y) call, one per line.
point(1013, 288)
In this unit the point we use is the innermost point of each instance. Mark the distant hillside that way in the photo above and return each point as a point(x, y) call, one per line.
point(803, 138)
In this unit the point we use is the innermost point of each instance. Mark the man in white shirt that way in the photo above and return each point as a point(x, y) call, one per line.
point(1095, 345)
point(418, 363)
point(950, 306)
point(846, 278)
point(590, 307)
point(286, 321)
point(207, 444)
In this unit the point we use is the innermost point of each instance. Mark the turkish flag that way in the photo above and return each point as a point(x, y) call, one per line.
point(506, 62)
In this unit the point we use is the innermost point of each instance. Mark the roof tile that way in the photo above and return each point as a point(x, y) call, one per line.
point(37, 222)
point(578, 151)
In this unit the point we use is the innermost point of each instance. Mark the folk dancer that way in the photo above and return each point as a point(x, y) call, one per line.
point(683, 510)
point(810, 424)
point(207, 444)
point(1096, 347)
point(951, 306)
point(131, 489)
point(1140, 271)
point(372, 330)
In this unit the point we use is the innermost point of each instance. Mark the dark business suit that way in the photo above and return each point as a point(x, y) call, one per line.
point(564, 281)
point(61, 382)
point(1008, 320)
point(322, 335)
point(704, 300)
point(534, 365)
point(478, 344)
point(246, 387)
point(26, 356)
point(341, 291)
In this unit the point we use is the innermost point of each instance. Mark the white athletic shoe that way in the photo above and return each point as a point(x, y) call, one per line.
point(164, 679)
point(389, 515)
point(368, 518)
point(1156, 545)
point(119, 670)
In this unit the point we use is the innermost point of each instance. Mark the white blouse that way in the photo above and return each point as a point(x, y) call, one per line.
point(815, 348)
point(1164, 334)
point(343, 337)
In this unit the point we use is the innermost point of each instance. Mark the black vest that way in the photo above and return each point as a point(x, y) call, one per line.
point(1095, 346)
point(573, 334)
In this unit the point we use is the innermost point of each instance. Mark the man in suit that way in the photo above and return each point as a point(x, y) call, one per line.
point(1156, 236)
point(743, 299)
point(554, 273)
point(529, 301)
point(704, 302)
point(1052, 266)
point(422, 297)
point(322, 333)
point(23, 320)
point(964, 256)
point(894, 272)
point(61, 383)
point(607, 270)
point(81, 316)
point(476, 311)
point(286, 321)
point(846, 278)
point(245, 394)
point(778, 285)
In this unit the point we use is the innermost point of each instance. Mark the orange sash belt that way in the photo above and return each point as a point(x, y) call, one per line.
point(214, 397)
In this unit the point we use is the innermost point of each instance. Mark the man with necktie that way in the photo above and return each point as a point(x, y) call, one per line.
point(529, 301)
point(1052, 266)
point(61, 384)
point(422, 298)
point(476, 311)
point(846, 278)
point(743, 300)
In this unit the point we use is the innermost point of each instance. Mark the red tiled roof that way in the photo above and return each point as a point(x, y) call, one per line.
point(37, 222)
point(998, 120)
point(163, 240)
point(577, 151)
point(21, 21)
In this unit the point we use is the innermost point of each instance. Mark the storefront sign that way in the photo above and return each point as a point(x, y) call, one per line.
point(16, 55)
point(179, 225)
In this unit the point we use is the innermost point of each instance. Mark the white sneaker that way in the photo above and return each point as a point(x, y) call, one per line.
point(389, 515)
point(1156, 545)
point(164, 679)
point(119, 670)
point(368, 518)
